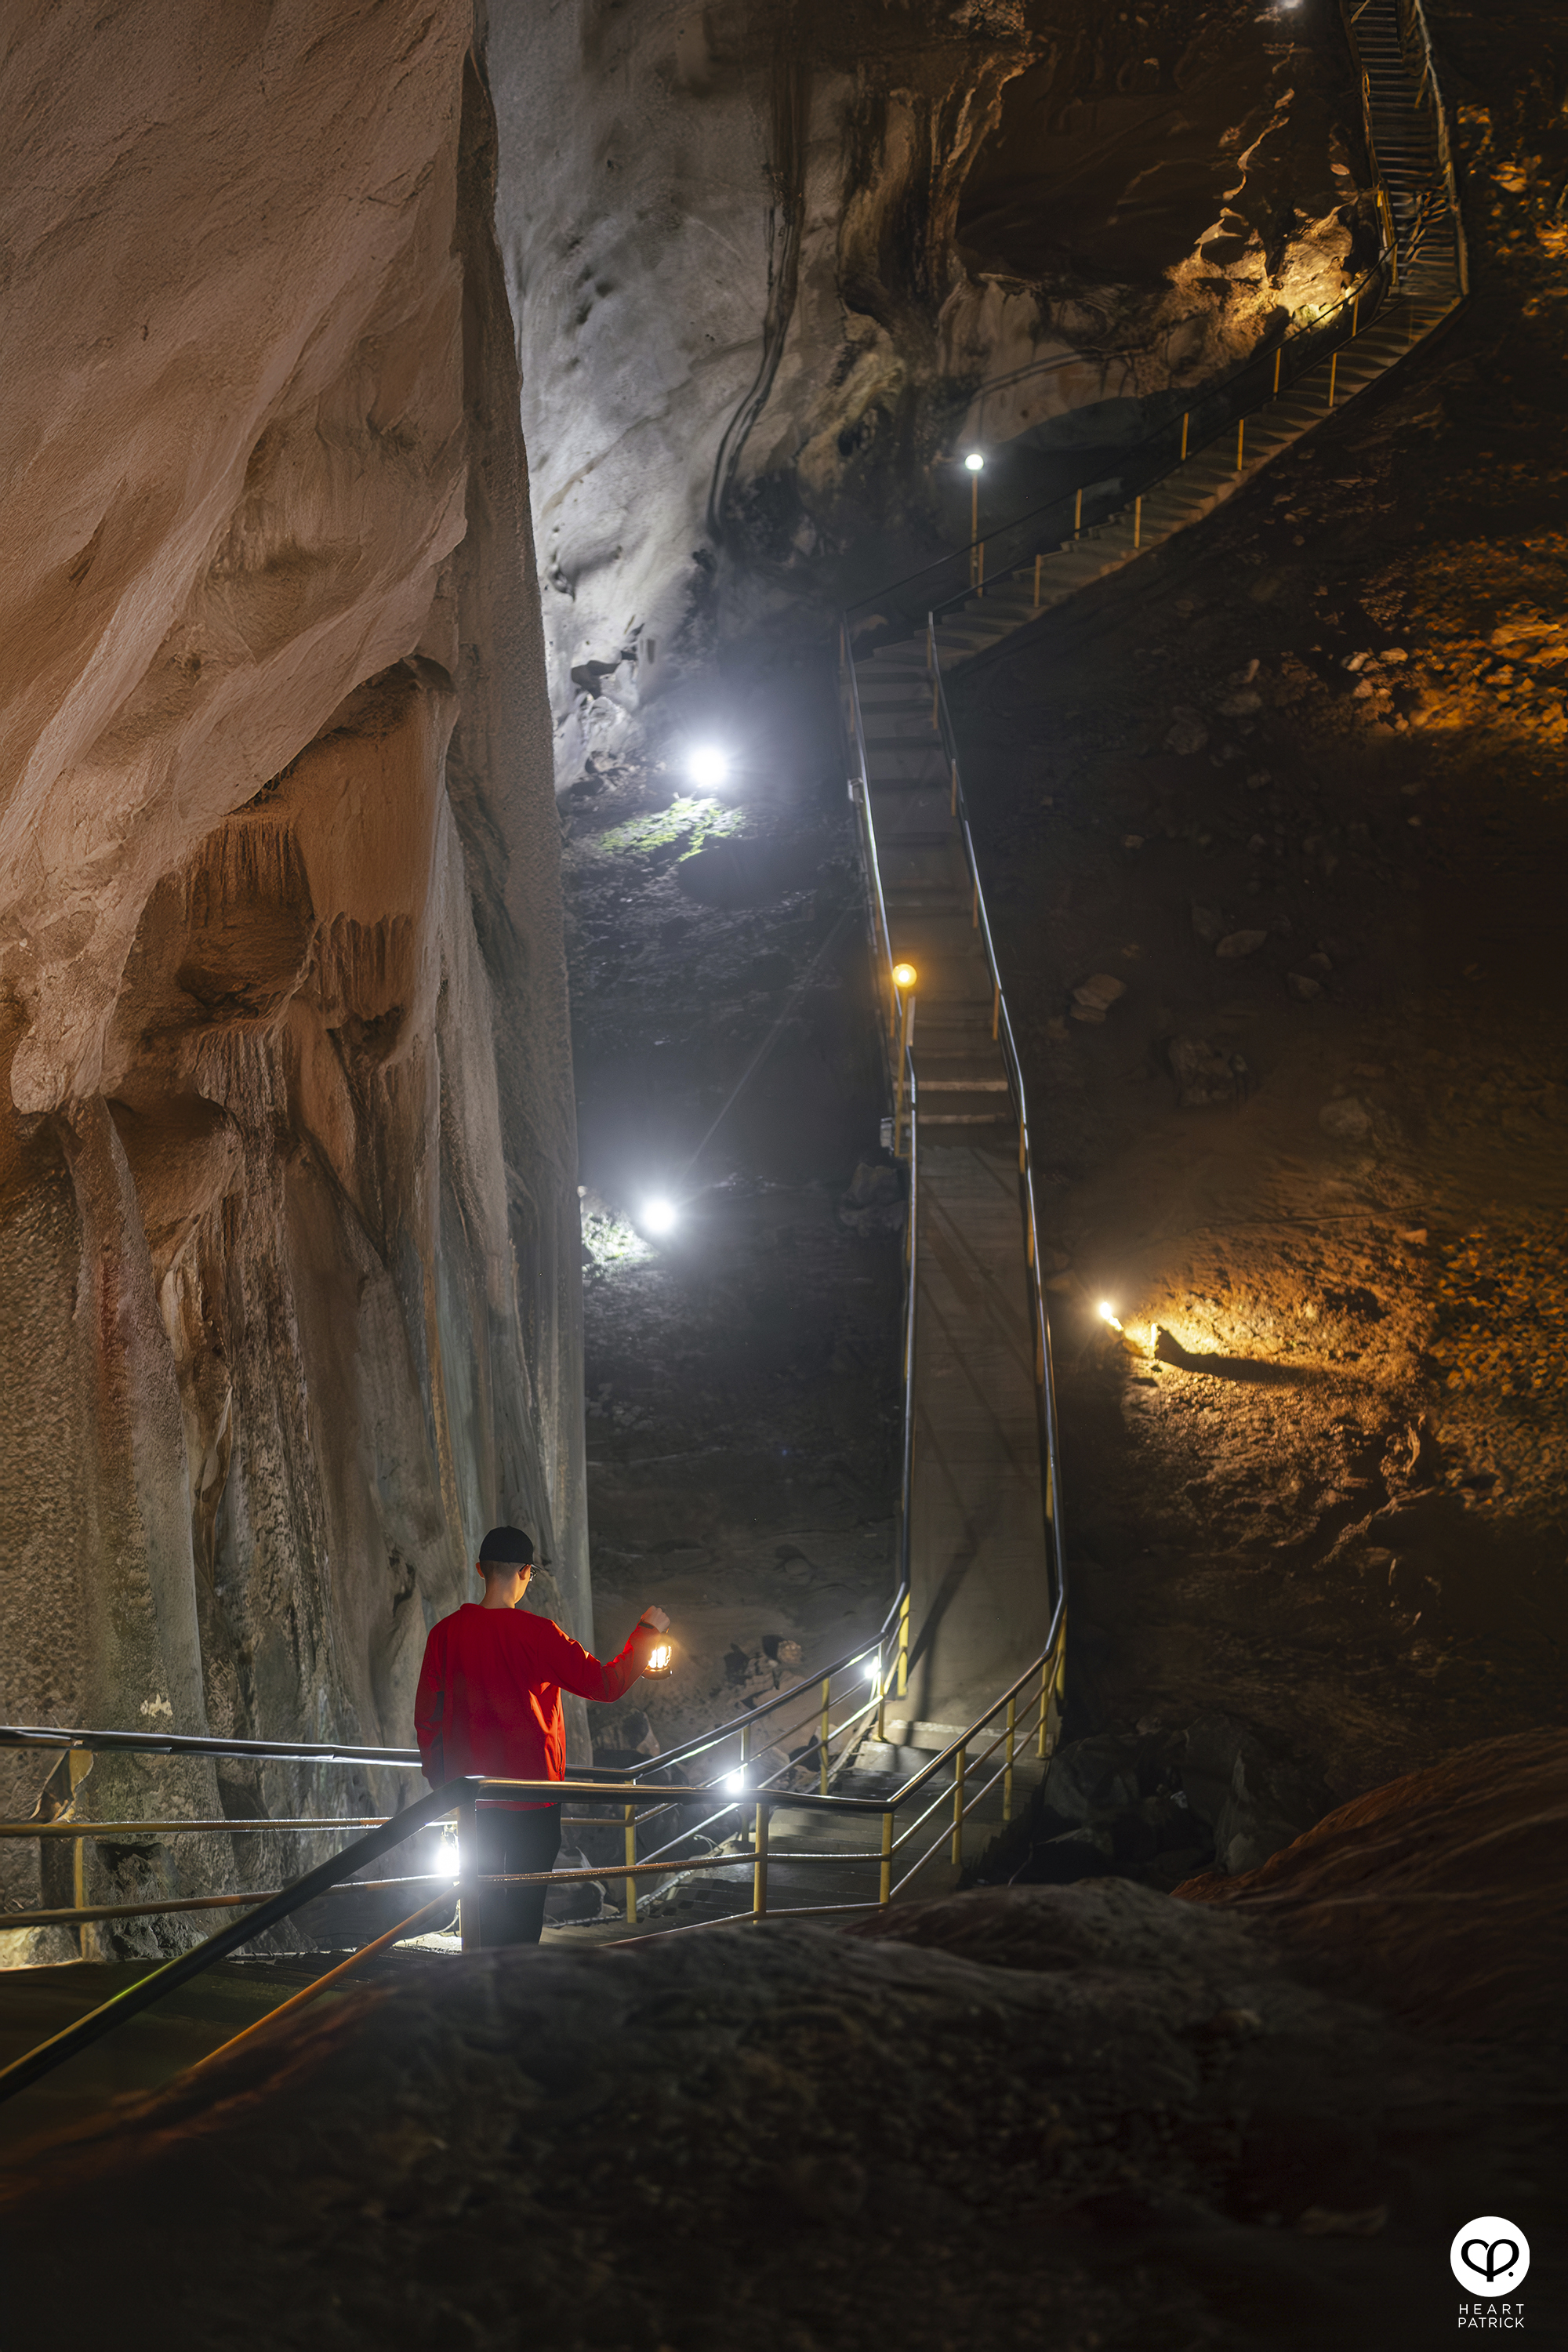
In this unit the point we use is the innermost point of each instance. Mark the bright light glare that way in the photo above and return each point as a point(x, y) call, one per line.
point(904, 975)
point(974, 461)
point(660, 1216)
point(871, 1672)
point(735, 1786)
point(1108, 1314)
point(707, 767)
point(659, 1658)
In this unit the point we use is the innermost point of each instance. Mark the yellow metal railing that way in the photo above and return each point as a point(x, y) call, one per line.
point(1026, 1709)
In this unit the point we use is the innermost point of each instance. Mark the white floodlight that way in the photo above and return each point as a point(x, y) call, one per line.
point(708, 765)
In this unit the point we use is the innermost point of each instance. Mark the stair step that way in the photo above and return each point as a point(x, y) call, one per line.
point(963, 1117)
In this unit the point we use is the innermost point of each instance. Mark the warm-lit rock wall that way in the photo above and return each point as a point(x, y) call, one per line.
point(772, 259)
point(288, 1250)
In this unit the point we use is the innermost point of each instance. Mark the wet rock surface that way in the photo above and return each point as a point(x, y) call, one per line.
point(1029, 2116)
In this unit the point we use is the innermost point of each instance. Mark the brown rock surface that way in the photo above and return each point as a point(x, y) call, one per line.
point(288, 1251)
point(1023, 2116)
point(1443, 1895)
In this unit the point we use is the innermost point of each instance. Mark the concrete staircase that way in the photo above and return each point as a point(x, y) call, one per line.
point(979, 1551)
point(1429, 283)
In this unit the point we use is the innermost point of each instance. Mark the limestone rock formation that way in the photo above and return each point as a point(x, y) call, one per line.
point(771, 264)
point(289, 1248)
point(1471, 1852)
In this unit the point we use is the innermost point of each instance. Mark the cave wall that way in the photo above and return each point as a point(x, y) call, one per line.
point(289, 1260)
point(773, 261)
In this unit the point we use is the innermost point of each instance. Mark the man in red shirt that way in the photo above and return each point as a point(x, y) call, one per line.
point(490, 1701)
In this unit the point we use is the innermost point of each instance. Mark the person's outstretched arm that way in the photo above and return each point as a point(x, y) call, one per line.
point(575, 1669)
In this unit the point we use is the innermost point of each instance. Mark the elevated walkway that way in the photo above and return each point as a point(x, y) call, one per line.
point(1024, 569)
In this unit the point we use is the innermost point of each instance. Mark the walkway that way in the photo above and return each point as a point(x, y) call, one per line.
point(1408, 134)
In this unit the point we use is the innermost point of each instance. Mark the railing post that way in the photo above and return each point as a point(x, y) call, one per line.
point(1279, 355)
point(1047, 1671)
point(822, 1739)
point(760, 1867)
point(1240, 430)
point(1334, 370)
point(904, 1647)
point(906, 1029)
point(885, 1887)
point(1186, 420)
point(470, 1919)
point(1007, 1775)
point(631, 1828)
point(958, 1807)
point(1137, 543)
point(1078, 514)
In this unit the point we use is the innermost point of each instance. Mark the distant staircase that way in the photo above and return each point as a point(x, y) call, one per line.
point(1428, 278)
point(986, 1575)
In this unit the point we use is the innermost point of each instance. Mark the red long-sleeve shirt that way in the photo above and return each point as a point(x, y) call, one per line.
point(490, 1694)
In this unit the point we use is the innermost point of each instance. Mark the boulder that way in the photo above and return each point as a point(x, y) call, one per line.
point(1346, 1118)
point(1187, 734)
point(1093, 998)
point(1202, 1074)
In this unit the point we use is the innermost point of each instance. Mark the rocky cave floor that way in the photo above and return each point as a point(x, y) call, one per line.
point(1077, 2116)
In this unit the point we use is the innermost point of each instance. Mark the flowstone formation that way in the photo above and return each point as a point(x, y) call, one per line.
point(772, 266)
point(288, 1225)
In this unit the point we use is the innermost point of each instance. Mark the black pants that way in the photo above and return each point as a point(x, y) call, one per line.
point(509, 1839)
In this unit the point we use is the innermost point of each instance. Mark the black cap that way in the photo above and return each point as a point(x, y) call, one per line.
point(508, 1547)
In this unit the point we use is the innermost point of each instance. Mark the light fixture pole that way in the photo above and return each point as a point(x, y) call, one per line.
point(976, 465)
point(904, 978)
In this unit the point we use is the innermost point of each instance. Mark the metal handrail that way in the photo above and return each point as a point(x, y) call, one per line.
point(1070, 503)
point(133, 1998)
point(896, 1020)
point(461, 1797)
point(1044, 1375)
point(1135, 478)
point(179, 1743)
point(1368, 290)
point(1430, 93)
